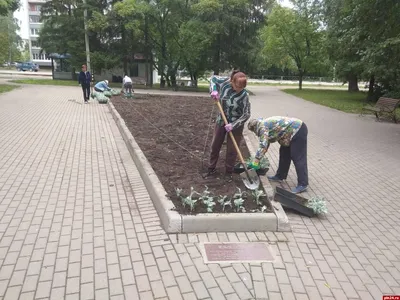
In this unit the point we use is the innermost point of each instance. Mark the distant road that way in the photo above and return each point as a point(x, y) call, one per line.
point(25, 74)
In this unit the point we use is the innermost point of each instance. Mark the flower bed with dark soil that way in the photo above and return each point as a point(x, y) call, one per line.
point(171, 131)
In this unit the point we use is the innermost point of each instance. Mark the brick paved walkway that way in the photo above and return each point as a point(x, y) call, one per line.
point(77, 223)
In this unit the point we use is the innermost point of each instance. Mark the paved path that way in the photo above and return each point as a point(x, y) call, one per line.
point(77, 223)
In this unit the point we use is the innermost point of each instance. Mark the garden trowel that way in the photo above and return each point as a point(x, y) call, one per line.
point(249, 176)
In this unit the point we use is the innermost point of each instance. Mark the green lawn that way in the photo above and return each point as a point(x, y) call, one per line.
point(46, 82)
point(340, 100)
point(283, 84)
point(7, 87)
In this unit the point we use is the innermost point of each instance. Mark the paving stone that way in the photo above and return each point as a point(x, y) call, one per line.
point(158, 289)
point(192, 273)
point(200, 290)
point(174, 293)
point(216, 293)
point(190, 296)
point(184, 284)
point(57, 293)
point(225, 285)
point(272, 284)
point(143, 283)
point(168, 279)
point(87, 291)
point(208, 279)
point(81, 236)
point(13, 293)
point(115, 286)
point(260, 290)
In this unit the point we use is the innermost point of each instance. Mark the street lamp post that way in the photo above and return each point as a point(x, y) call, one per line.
point(86, 38)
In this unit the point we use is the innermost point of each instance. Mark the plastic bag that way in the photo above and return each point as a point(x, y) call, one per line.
point(107, 93)
point(114, 92)
point(102, 98)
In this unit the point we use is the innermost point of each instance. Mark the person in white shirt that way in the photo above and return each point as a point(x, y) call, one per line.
point(127, 84)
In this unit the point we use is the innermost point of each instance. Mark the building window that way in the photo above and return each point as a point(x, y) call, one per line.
point(35, 44)
point(40, 56)
point(34, 31)
point(34, 19)
point(33, 7)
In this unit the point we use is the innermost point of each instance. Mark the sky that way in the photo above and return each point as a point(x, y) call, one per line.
point(285, 3)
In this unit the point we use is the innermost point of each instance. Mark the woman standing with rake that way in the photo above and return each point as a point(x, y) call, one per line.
point(234, 99)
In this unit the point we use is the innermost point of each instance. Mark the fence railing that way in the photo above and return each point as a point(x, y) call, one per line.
point(294, 78)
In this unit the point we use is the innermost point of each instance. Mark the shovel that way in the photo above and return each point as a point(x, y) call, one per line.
point(249, 177)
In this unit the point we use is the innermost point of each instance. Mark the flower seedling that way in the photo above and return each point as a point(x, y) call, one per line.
point(222, 200)
point(318, 205)
point(189, 200)
point(238, 202)
point(205, 194)
point(264, 162)
point(209, 202)
point(239, 193)
point(257, 194)
point(238, 199)
point(178, 192)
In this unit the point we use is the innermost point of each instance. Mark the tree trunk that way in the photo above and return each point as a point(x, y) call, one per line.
point(300, 80)
point(194, 80)
point(353, 83)
point(146, 50)
point(217, 56)
point(162, 80)
point(371, 88)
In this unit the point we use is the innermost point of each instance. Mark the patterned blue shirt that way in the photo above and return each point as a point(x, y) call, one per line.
point(236, 106)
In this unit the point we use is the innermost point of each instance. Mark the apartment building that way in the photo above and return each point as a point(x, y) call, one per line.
point(28, 16)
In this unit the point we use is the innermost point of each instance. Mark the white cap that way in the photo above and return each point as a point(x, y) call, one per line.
point(106, 81)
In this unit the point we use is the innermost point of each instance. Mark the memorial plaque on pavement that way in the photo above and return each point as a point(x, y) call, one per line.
point(237, 252)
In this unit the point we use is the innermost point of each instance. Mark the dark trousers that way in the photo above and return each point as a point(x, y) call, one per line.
point(128, 87)
point(297, 151)
point(86, 91)
point(218, 140)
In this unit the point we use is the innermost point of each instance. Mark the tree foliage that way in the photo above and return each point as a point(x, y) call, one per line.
point(359, 39)
point(292, 39)
point(10, 40)
point(364, 41)
point(190, 35)
point(8, 6)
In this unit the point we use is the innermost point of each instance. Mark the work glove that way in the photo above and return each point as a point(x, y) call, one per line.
point(215, 95)
point(254, 165)
point(228, 127)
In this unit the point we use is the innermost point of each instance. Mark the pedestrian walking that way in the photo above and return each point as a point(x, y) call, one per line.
point(291, 134)
point(234, 100)
point(84, 80)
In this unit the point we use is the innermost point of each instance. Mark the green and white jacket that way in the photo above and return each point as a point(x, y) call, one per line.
point(236, 106)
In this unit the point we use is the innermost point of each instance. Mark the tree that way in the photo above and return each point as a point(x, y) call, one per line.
point(7, 6)
point(293, 39)
point(344, 40)
point(11, 41)
point(364, 41)
point(63, 29)
point(233, 28)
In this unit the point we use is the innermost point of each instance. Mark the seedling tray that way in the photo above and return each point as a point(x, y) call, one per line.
point(293, 201)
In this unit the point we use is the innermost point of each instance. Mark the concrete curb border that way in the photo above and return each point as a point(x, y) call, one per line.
point(173, 222)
